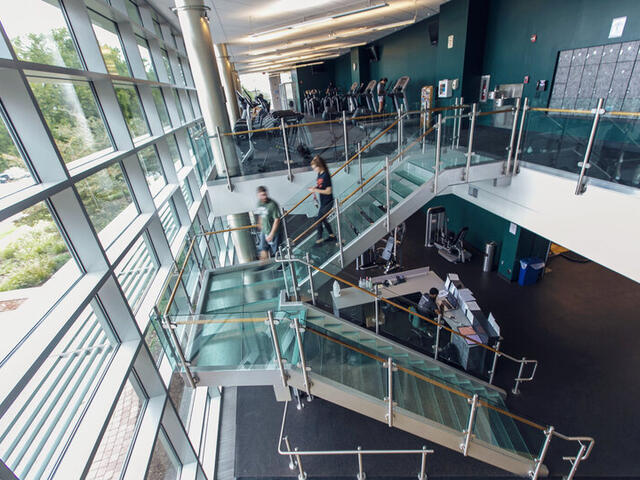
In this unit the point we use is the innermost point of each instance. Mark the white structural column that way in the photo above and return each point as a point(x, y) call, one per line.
point(199, 45)
point(228, 82)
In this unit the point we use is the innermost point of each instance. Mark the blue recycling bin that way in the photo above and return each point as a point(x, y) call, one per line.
point(530, 270)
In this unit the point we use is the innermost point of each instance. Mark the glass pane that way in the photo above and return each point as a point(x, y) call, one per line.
point(109, 41)
point(169, 220)
point(43, 417)
point(108, 202)
point(44, 41)
point(132, 110)
point(186, 191)
point(136, 271)
point(194, 101)
point(35, 270)
point(161, 106)
point(132, 10)
point(167, 65)
point(14, 175)
point(147, 61)
point(173, 39)
point(181, 396)
point(181, 72)
point(164, 463)
point(176, 98)
point(72, 115)
point(118, 437)
point(152, 169)
point(174, 152)
point(152, 340)
point(156, 28)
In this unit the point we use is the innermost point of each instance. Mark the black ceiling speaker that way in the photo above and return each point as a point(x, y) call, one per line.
point(433, 32)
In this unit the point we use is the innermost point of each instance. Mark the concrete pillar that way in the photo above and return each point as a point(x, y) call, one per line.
point(202, 59)
point(228, 83)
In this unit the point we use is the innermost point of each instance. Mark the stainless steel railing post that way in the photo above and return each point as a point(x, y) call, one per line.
point(283, 217)
point(516, 156)
point(423, 130)
point(294, 277)
point(301, 474)
point(389, 399)
point(284, 275)
point(224, 158)
point(455, 125)
point(459, 123)
point(399, 132)
point(423, 464)
point(436, 347)
point(496, 355)
point(472, 129)
point(581, 186)
point(388, 192)
point(438, 148)
point(514, 126)
point(543, 453)
point(361, 474)
point(377, 310)
point(310, 275)
point(292, 460)
point(575, 462)
point(464, 446)
point(337, 208)
point(286, 149)
point(303, 363)
point(346, 141)
point(276, 346)
point(172, 332)
point(360, 163)
point(515, 387)
point(206, 242)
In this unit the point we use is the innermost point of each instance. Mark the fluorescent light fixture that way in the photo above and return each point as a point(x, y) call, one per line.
point(314, 21)
point(282, 68)
point(275, 56)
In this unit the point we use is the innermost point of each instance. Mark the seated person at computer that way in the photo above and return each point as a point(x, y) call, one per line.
point(428, 305)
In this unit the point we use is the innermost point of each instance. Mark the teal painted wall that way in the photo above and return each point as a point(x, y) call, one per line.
point(307, 79)
point(343, 72)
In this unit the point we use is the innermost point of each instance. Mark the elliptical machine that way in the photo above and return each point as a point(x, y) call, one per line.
point(399, 94)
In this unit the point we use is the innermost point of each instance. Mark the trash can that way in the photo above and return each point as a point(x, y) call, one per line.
point(489, 253)
point(530, 270)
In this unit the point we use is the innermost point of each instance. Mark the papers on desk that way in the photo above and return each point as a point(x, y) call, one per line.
point(465, 295)
point(453, 276)
point(471, 335)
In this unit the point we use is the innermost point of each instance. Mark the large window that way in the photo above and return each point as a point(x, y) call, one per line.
point(152, 169)
point(110, 45)
point(14, 175)
point(108, 202)
point(132, 110)
point(186, 192)
point(156, 27)
point(161, 106)
point(137, 270)
point(74, 119)
point(164, 461)
point(35, 264)
point(176, 98)
point(41, 37)
point(174, 152)
point(133, 11)
point(147, 61)
point(167, 65)
point(35, 429)
point(169, 220)
point(114, 449)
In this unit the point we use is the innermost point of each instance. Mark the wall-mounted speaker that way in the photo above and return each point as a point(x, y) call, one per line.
point(433, 32)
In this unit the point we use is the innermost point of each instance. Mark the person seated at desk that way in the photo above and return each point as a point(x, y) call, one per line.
point(428, 305)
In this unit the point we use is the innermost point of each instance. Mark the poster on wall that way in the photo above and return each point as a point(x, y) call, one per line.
point(484, 87)
point(426, 102)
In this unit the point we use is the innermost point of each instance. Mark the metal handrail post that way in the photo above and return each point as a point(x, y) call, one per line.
point(292, 460)
point(438, 147)
point(224, 158)
point(377, 309)
point(455, 125)
point(360, 163)
point(543, 453)
point(472, 128)
point(496, 354)
point(301, 474)
point(398, 132)
point(514, 126)
point(276, 346)
point(436, 347)
point(516, 156)
point(515, 387)
point(294, 277)
point(361, 474)
point(337, 208)
point(459, 123)
point(206, 242)
point(387, 192)
point(423, 145)
point(575, 462)
point(172, 331)
point(581, 186)
point(283, 218)
point(423, 464)
point(284, 275)
point(310, 275)
point(389, 415)
point(303, 363)
point(286, 148)
point(469, 431)
point(346, 141)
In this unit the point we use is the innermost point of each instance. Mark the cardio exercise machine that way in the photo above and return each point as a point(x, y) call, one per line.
point(383, 254)
point(399, 94)
point(450, 245)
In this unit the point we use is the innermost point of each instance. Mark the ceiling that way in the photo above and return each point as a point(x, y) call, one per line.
point(265, 35)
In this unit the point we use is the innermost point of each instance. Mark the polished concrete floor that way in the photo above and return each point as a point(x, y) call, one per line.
point(580, 322)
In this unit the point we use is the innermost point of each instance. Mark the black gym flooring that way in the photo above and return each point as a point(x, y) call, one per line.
point(580, 322)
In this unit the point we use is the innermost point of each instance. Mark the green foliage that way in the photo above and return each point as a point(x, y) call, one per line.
point(57, 48)
point(9, 156)
point(132, 110)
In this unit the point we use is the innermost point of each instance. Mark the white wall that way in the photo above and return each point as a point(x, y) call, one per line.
point(602, 225)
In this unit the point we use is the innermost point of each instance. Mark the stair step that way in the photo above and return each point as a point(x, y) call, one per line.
point(416, 180)
point(399, 187)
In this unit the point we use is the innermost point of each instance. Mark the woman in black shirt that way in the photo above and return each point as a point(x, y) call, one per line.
point(325, 192)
